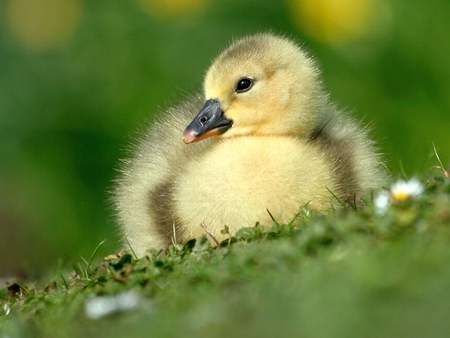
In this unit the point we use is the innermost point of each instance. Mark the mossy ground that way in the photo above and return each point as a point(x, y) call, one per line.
point(353, 273)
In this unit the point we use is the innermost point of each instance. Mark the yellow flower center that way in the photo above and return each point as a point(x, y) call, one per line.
point(399, 196)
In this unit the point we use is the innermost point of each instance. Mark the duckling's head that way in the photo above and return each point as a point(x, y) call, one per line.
point(260, 85)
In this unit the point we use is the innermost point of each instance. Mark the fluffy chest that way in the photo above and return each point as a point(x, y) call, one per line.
point(239, 179)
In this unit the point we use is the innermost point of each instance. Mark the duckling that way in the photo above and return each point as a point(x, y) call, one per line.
point(260, 143)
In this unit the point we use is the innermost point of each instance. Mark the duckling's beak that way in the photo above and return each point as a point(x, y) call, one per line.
point(210, 121)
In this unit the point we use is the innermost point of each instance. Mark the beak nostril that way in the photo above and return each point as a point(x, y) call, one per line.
point(202, 120)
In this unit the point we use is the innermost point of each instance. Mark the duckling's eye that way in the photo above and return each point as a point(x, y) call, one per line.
point(243, 85)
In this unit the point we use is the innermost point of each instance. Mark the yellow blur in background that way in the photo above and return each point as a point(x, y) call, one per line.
point(339, 21)
point(170, 9)
point(43, 24)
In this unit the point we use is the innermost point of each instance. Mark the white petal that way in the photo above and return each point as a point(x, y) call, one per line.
point(381, 202)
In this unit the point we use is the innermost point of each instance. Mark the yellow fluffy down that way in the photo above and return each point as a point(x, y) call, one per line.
point(237, 181)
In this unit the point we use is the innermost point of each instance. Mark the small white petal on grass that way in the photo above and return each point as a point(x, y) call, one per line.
point(6, 309)
point(382, 202)
point(101, 306)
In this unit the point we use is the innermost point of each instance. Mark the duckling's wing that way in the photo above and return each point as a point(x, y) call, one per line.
point(143, 192)
point(356, 160)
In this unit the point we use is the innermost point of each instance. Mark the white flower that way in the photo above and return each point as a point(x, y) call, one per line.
point(101, 306)
point(400, 191)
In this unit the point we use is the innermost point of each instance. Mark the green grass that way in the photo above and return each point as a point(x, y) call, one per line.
point(353, 273)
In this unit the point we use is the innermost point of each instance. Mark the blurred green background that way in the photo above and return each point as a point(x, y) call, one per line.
point(77, 78)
